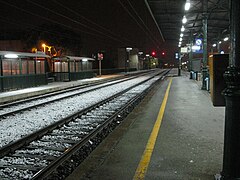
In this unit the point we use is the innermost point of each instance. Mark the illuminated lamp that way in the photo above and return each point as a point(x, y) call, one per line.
point(11, 56)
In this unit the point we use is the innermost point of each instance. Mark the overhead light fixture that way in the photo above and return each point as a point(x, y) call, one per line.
point(11, 56)
point(187, 5)
point(214, 45)
point(128, 49)
point(226, 39)
point(85, 59)
point(180, 39)
point(182, 29)
point(179, 45)
point(184, 20)
point(181, 35)
point(220, 42)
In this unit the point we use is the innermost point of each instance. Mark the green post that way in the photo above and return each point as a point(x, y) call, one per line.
point(69, 73)
point(180, 63)
point(20, 66)
point(1, 69)
point(231, 155)
point(191, 52)
point(205, 53)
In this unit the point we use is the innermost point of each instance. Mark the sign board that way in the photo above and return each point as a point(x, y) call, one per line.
point(100, 56)
point(197, 47)
point(184, 49)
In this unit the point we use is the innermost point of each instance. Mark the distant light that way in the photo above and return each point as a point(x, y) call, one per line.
point(181, 35)
point(196, 48)
point(182, 29)
point(140, 53)
point(43, 45)
point(214, 45)
point(39, 61)
point(180, 39)
point(147, 55)
point(220, 42)
point(128, 48)
point(184, 20)
point(179, 45)
point(85, 59)
point(11, 56)
point(153, 53)
point(187, 6)
point(226, 39)
point(222, 52)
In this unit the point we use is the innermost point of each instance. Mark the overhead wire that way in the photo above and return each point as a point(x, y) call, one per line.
point(48, 19)
point(76, 13)
point(74, 21)
point(141, 20)
point(130, 14)
point(37, 28)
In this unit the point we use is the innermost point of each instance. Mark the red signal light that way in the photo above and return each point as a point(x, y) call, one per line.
point(153, 53)
point(163, 53)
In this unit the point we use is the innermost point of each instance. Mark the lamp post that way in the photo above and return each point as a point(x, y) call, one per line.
point(205, 54)
point(44, 48)
point(100, 58)
point(139, 60)
point(231, 155)
point(128, 49)
point(148, 61)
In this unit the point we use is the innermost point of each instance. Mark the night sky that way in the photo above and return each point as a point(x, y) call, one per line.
point(87, 25)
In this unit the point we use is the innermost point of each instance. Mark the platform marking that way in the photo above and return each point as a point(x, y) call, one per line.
point(146, 157)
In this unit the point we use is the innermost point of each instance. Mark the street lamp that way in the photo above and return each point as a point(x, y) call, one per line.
point(128, 49)
point(44, 46)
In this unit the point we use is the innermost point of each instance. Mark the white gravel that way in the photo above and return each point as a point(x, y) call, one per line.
point(15, 127)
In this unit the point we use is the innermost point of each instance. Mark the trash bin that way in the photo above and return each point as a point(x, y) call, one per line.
point(191, 74)
point(196, 74)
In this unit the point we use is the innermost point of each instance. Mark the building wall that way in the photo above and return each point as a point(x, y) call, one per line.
point(133, 58)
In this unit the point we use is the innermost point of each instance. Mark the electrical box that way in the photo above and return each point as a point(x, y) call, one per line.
point(218, 64)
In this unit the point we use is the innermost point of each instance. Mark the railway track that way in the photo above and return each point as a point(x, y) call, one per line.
point(33, 102)
point(54, 151)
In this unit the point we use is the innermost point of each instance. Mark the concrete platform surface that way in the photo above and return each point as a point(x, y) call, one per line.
point(189, 145)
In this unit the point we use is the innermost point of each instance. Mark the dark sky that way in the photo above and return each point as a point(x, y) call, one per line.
point(99, 23)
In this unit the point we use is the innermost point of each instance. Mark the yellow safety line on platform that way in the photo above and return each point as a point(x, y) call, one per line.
point(146, 157)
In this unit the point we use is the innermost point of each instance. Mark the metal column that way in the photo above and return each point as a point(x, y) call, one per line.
point(180, 63)
point(191, 52)
point(205, 54)
point(231, 156)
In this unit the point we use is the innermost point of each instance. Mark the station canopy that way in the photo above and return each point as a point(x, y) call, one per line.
point(168, 15)
point(73, 58)
point(13, 54)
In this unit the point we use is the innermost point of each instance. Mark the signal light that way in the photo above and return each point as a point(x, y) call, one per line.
point(153, 53)
point(163, 53)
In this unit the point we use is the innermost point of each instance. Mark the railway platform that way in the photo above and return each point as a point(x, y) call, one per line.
point(54, 86)
point(175, 133)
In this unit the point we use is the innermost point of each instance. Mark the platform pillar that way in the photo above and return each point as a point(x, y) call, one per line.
point(231, 156)
point(205, 53)
point(191, 52)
